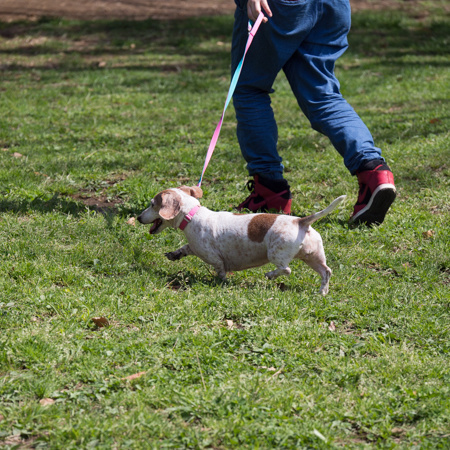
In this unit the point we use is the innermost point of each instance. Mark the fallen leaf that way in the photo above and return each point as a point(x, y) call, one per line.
point(17, 155)
point(332, 326)
point(132, 221)
point(100, 321)
point(428, 234)
point(2, 417)
point(435, 120)
point(46, 401)
point(396, 430)
point(230, 324)
point(134, 376)
point(102, 64)
point(5, 149)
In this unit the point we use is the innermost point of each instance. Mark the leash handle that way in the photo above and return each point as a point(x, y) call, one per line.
point(252, 31)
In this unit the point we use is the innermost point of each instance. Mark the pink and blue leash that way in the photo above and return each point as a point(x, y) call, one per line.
point(252, 31)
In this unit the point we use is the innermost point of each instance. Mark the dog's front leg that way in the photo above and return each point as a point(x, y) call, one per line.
point(221, 273)
point(180, 253)
point(218, 265)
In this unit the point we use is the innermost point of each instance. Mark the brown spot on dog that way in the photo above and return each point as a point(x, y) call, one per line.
point(259, 226)
point(159, 197)
point(158, 200)
point(169, 203)
point(193, 191)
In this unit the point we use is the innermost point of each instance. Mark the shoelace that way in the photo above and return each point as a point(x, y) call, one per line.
point(250, 185)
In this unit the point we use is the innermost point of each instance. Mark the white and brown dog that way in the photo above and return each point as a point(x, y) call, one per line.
point(231, 242)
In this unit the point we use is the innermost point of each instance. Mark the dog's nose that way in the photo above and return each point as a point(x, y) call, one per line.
point(139, 219)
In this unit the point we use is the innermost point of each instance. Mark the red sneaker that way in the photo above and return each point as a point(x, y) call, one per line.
point(376, 194)
point(267, 195)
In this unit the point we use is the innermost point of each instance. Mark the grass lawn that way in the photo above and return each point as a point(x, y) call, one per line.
point(95, 119)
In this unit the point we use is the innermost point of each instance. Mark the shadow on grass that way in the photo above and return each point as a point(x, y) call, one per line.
point(181, 280)
point(120, 38)
point(383, 34)
point(56, 203)
point(387, 35)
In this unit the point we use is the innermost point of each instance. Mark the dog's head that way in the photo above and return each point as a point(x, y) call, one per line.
point(167, 205)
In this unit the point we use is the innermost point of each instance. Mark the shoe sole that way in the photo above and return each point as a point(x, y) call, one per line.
point(375, 211)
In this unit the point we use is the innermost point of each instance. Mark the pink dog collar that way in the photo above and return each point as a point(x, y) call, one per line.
point(188, 217)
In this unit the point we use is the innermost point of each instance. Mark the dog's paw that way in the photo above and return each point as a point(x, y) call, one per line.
point(173, 256)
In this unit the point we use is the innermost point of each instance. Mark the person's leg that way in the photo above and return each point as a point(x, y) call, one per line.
point(310, 72)
point(257, 130)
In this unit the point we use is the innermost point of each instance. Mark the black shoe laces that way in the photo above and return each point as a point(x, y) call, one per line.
point(250, 185)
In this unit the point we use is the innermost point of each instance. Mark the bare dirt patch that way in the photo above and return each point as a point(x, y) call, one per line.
point(105, 9)
point(99, 199)
point(97, 202)
point(11, 10)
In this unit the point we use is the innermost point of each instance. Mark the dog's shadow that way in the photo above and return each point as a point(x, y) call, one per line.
point(183, 280)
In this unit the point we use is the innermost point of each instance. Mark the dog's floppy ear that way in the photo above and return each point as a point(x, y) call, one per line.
point(193, 191)
point(170, 204)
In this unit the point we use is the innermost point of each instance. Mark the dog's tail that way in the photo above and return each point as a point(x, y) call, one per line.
point(308, 220)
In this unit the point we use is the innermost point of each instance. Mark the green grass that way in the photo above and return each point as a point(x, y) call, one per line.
point(106, 114)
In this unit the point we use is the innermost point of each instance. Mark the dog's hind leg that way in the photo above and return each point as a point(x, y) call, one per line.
point(280, 255)
point(319, 265)
point(180, 253)
point(313, 254)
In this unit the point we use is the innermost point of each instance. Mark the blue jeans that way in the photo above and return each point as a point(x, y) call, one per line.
point(304, 38)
